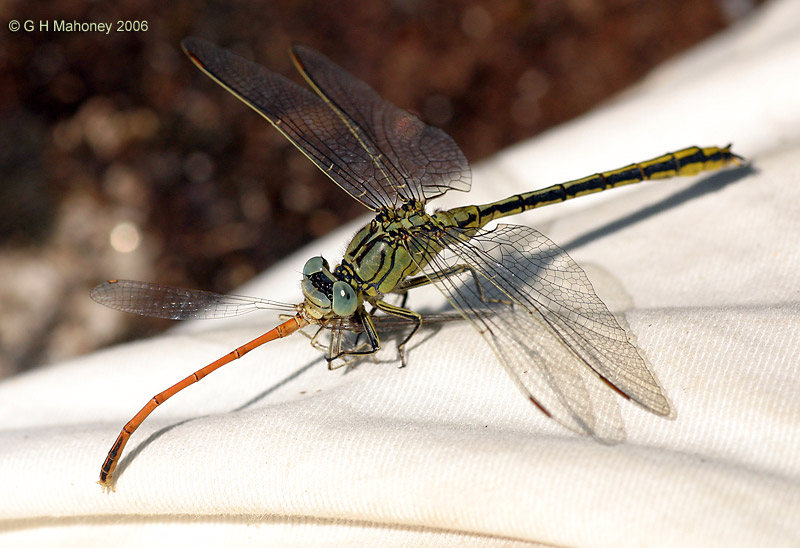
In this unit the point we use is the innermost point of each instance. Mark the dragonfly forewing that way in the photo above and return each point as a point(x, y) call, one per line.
point(300, 115)
point(416, 161)
point(376, 152)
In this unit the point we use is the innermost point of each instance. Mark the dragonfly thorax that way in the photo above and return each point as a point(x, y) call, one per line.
point(325, 295)
point(378, 257)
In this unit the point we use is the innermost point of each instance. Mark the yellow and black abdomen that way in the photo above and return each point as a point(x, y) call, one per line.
point(686, 162)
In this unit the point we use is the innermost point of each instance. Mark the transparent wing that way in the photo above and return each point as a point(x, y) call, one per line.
point(553, 334)
point(173, 303)
point(413, 160)
point(336, 144)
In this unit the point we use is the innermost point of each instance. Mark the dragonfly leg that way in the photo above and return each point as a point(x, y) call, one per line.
point(357, 344)
point(402, 313)
point(314, 339)
point(349, 358)
point(373, 343)
point(406, 285)
point(346, 359)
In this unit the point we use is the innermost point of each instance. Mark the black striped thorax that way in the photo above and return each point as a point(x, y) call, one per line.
point(381, 254)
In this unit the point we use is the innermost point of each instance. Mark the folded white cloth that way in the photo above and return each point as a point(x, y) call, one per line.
point(276, 450)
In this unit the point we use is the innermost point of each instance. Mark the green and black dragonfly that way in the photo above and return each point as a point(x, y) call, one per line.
point(524, 295)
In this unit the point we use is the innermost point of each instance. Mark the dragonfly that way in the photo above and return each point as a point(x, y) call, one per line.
point(528, 299)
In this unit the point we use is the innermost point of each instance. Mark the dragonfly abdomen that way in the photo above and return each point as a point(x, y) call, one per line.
point(685, 162)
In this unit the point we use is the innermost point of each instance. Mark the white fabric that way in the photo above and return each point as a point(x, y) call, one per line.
point(276, 450)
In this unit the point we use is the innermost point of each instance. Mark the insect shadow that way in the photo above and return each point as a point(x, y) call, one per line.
point(705, 185)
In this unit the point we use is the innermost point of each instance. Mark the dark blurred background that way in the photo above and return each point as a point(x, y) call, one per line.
point(118, 158)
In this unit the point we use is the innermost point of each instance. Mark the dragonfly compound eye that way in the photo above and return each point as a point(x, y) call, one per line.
point(344, 299)
point(315, 265)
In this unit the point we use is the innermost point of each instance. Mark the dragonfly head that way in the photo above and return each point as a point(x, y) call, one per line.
point(325, 295)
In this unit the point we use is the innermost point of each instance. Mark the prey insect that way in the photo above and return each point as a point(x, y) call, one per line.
point(525, 296)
